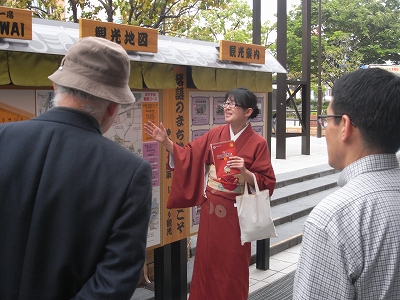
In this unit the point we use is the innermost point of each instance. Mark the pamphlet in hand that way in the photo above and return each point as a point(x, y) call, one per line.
point(221, 152)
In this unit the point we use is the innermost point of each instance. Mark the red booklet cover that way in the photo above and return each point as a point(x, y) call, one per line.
point(221, 152)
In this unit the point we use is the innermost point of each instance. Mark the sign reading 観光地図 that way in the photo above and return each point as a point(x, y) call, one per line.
point(131, 38)
point(15, 23)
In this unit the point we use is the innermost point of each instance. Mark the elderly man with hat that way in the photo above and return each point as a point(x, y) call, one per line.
point(74, 205)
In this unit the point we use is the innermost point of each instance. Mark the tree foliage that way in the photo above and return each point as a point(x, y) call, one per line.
point(373, 27)
point(43, 9)
point(168, 16)
point(354, 33)
point(207, 20)
point(233, 22)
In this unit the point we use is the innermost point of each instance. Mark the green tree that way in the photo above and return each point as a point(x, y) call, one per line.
point(168, 16)
point(43, 9)
point(339, 58)
point(373, 26)
point(354, 33)
point(231, 22)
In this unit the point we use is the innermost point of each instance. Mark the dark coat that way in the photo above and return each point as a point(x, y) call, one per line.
point(74, 210)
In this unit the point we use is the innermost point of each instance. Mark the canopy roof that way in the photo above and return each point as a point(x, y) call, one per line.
point(55, 37)
point(30, 62)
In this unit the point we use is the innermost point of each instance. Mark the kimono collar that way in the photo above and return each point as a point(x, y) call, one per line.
point(235, 136)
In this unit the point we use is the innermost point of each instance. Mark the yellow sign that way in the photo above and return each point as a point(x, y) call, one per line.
point(241, 52)
point(175, 117)
point(15, 23)
point(12, 114)
point(131, 38)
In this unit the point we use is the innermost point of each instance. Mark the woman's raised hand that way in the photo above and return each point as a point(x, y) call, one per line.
point(157, 133)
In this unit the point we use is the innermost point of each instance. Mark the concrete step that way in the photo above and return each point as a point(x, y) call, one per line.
point(289, 219)
point(297, 193)
point(292, 177)
point(299, 207)
point(302, 189)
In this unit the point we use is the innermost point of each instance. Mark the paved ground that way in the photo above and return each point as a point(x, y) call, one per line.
point(294, 159)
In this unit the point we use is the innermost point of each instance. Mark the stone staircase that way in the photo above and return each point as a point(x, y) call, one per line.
point(296, 194)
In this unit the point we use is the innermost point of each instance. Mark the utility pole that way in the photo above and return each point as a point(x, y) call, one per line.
point(257, 22)
point(319, 103)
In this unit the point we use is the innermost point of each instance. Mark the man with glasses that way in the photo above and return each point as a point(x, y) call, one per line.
point(351, 240)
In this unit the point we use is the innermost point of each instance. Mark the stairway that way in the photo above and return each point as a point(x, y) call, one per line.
point(296, 194)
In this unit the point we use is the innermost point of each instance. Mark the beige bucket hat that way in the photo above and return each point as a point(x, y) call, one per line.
point(98, 67)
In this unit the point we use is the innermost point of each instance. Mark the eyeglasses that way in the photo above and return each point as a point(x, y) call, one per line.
point(323, 120)
point(230, 104)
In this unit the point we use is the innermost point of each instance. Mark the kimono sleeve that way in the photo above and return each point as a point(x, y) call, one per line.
point(188, 177)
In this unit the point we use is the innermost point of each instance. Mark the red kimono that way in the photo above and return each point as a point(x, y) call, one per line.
point(221, 267)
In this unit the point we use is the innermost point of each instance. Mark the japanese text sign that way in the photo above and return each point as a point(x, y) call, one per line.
point(131, 38)
point(175, 112)
point(15, 23)
point(241, 52)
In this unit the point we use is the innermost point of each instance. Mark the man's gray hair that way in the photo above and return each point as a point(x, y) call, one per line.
point(90, 104)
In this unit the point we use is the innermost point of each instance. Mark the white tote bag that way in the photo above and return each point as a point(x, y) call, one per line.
point(254, 213)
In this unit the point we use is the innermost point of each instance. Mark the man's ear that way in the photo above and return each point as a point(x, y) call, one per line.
point(347, 128)
point(108, 116)
point(112, 108)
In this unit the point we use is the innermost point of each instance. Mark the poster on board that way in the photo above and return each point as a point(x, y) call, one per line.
point(200, 110)
point(260, 105)
point(219, 114)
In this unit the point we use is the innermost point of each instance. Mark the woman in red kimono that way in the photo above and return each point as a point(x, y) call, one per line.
point(221, 267)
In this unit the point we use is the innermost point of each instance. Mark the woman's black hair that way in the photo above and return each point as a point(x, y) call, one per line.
point(244, 98)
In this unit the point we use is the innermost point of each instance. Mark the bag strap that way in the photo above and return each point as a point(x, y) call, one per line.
point(246, 192)
point(256, 184)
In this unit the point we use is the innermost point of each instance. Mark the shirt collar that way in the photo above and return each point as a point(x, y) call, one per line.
point(235, 136)
point(370, 163)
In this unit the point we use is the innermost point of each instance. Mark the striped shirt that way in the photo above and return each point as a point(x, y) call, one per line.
point(351, 239)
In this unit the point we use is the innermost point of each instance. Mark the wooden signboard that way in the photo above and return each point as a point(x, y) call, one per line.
point(241, 52)
point(15, 23)
point(13, 114)
point(131, 38)
point(175, 118)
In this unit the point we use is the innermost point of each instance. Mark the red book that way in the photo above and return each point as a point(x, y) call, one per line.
point(221, 152)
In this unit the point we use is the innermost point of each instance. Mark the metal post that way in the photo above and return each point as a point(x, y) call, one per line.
point(319, 103)
point(281, 81)
point(162, 273)
point(257, 22)
point(263, 252)
point(306, 70)
point(269, 118)
point(179, 269)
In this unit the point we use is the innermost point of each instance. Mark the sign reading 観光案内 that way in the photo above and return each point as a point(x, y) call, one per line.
point(15, 23)
point(241, 52)
point(131, 38)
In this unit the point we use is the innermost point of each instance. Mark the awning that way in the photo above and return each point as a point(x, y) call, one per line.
point(55, 37)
